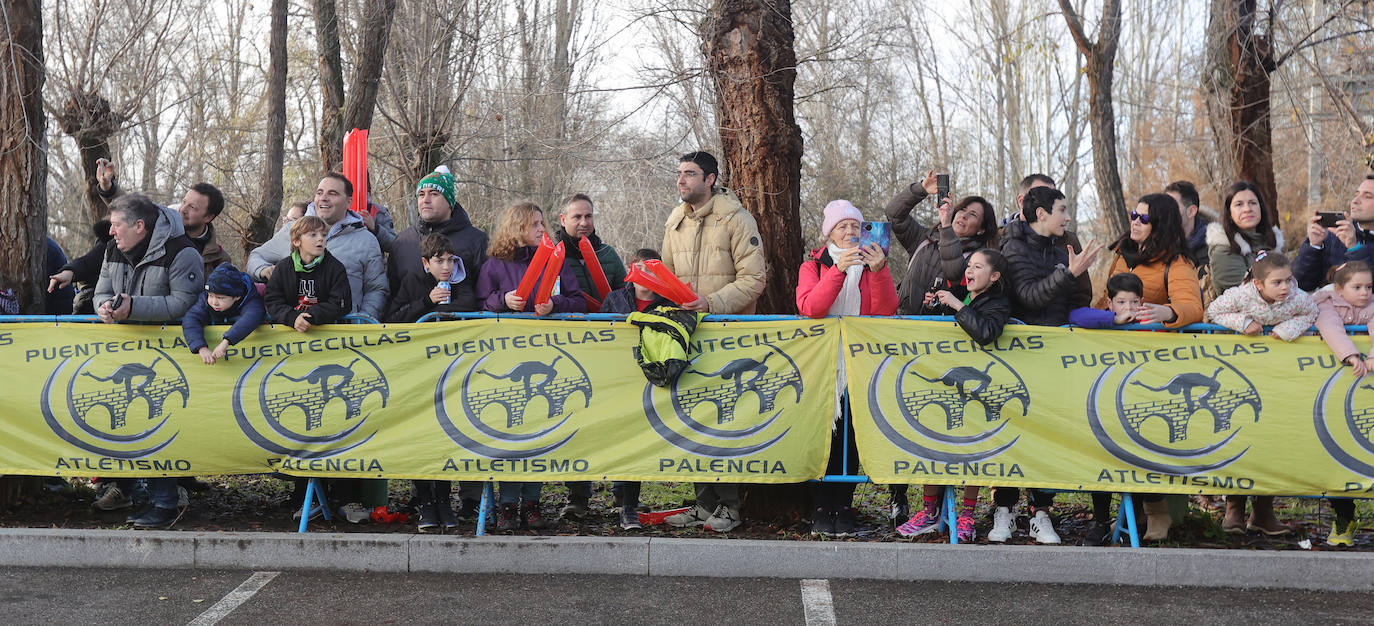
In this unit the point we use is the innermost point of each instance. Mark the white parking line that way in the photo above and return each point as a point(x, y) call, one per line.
point(817, 603)
point(238, 596)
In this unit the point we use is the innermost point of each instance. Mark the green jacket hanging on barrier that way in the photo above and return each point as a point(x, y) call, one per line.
point(664, 332)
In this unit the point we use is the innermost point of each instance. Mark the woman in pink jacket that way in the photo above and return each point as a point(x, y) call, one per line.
point(842, 278)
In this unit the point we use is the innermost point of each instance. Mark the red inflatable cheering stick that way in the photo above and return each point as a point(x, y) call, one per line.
point(541, 257)
point(355, 167)
point(603, 286)
point(651, 282)
point(551, 272)
point(681, 293)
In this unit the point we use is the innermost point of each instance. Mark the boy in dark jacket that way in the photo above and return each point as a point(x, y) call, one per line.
point(228, 294)
point(420, 294)
point(309, 287)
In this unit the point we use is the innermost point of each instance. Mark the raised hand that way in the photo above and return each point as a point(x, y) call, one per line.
point(1079, 263)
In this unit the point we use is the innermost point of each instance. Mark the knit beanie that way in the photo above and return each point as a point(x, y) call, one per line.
point(440, 180)
point(227, 280)
point(836, 212)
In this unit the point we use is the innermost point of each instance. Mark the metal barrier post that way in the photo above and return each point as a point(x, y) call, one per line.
point(488, 494)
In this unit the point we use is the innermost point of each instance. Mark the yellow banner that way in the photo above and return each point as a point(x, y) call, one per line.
point(511, 399)
point(1107, 410)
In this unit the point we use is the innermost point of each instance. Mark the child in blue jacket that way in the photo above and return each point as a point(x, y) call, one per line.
point(228, 294)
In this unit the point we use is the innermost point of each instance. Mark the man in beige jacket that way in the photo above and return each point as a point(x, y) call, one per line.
point(712, 243)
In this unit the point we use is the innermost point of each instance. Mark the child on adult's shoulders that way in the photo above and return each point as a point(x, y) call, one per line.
point(429, 292)
point(310, 287)
point(1124, 293)
point(229, 294)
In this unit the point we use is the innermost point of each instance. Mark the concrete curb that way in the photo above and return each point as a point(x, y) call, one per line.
point(1330, 571)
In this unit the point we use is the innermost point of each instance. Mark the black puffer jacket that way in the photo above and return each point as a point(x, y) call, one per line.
point(984, 317)
point(1043, 291)
point(943, 255)
point(469, 244)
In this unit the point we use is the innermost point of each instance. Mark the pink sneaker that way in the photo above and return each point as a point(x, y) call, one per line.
point(965, 529)
point(921, 523)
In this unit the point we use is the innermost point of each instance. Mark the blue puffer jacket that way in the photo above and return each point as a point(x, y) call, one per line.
point(249, 310)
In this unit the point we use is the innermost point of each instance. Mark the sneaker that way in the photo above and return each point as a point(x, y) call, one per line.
point(1342, 533)
point(923, 522)
point(1043, 529)
point(447, 518)
point(1003, 524)
point(965, 530)
point(576, 509)
point(695, 516)
point(898, 510)
point(140, 512)
point(724, 520)
point(158, 518)
point(354, 513)
point(113, 499)
point(530, 516)
point(844, 522)
point(629, 518)
point(427, 518)
point(183, 498)
point(822, 523)
point(508, 517)
point(1097, 535)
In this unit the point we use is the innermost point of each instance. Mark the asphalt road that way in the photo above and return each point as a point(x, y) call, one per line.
point(121, 596)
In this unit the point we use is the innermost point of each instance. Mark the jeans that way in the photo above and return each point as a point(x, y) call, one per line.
point(162, 492)
point(513, 492)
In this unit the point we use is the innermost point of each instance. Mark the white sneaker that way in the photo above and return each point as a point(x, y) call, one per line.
point(353, 512)
point(183, 498)
point(1043, 529)
point(724, 520)
point(113, 499)
point(1003, 524)
point(695, 516)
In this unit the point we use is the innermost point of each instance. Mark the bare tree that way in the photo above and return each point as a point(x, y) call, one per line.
point(748, 47)
point(340, 114)
point(263, 219)
point(1100, 55)
point(23, 155)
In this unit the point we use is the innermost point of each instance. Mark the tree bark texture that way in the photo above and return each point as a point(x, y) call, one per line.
point(1242, 84)
point(1100, 56)
point(263, 220)
point(23, 156)
point(748, 46)
point(367, 73)
point(91, 122)
point(331, 84)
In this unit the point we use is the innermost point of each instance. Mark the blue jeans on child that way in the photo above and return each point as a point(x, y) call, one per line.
point(513, 492)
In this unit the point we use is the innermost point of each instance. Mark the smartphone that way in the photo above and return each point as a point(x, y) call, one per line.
point(116, 302)
point(1328, 220)
point(876, 232)
point(942, 188)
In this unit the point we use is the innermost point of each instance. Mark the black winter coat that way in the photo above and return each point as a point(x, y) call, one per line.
point(984, 317)
point(412, 300)
point(327, 283)
point(469, 244)
point(1043, 291)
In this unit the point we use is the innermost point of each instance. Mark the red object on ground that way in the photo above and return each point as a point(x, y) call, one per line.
point(355, 167)
point(653, 518)
point(551, 272)
point(603, 286)
point(382, 515)
point(541, 258)
point(684, 294)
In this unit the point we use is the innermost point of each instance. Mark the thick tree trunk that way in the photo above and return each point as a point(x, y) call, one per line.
point(263, 220)
point(88, 118)
point(23, 156)
point(1100, 56)
point(749, 49)
point(331, 84)
point(367, 74)
point(1242, 61)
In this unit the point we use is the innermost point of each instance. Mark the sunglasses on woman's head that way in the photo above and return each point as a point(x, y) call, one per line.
point(1143, 217)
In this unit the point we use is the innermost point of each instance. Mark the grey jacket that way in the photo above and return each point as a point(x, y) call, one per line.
point(164, 283)
point(353, 245)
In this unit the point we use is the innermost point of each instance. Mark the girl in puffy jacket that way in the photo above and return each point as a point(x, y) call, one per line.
point(981, 309)
point(1268, 296)
point(842, 278)
point(1346, 302)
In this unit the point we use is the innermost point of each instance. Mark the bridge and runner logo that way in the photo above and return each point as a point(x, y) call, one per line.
point(115, 407)
point(309, 411)
point(1174, 422)
point(1345, 432)
point(957, 414)
point(728, 402)
point(513, 406)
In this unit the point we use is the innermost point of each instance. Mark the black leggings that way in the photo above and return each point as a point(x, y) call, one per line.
point(1102, 504)
point(835, 496)
point(1008, 497)
point(1344, 508)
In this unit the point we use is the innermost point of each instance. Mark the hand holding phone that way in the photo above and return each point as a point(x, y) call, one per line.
point(1328, 219)
point(942, 188)
point(877, 233)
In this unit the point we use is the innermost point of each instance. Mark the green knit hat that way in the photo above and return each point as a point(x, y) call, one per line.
point(440, 180)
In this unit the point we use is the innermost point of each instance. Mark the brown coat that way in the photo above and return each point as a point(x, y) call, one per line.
point(1183, 294)
point(717, 249)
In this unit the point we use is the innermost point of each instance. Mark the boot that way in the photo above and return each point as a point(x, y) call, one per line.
point(1262, 518)
point(531, 517)
point(1234, 522)
point(1157, 521)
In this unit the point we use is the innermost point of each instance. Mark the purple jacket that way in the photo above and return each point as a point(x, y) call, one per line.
point(499, 276)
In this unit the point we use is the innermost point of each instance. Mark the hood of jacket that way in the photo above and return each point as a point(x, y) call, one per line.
point(722, 205)
point(1216, 236)
point(456, 221)
point(168, 227)
point(1021, 230)
point(350, 221)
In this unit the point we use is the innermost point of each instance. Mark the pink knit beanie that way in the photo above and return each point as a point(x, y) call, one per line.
point(836, 212)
